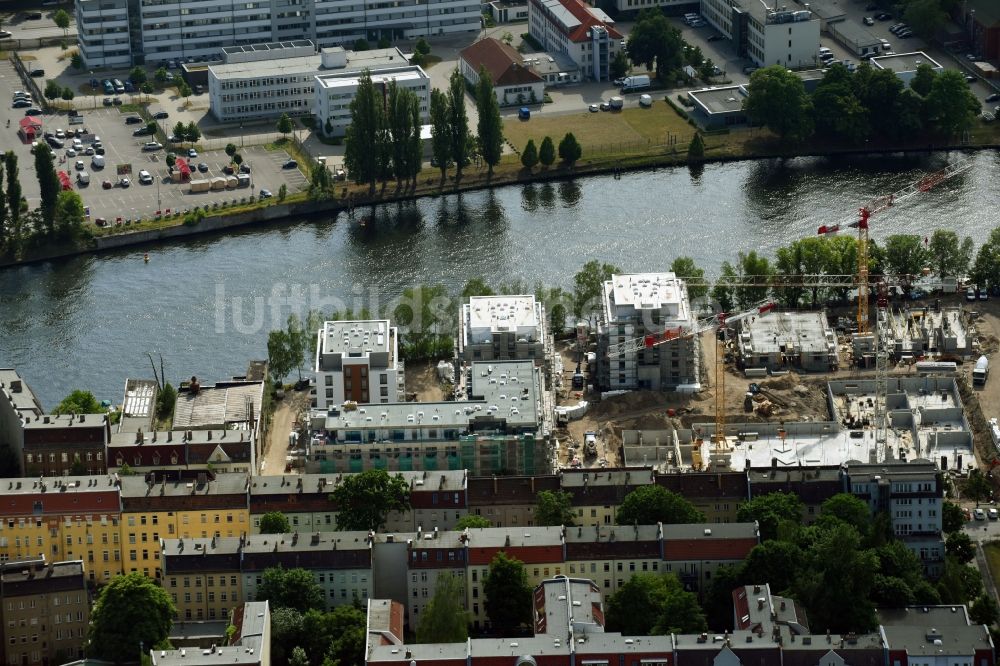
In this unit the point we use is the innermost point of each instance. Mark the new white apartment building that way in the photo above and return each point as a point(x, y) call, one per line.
point(121, 33)
point(584, 33)
point(766, 35)
point(266, 80)
point(358, 361)
point(640, 304)
point(508, 328)
point(335, 91)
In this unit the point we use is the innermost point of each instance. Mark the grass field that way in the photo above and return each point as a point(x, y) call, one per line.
point(626, 131)
point(992, 551)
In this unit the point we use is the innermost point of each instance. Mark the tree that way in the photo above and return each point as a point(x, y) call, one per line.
point(653, 40)
point(237, 159)
point(554, 508)
point(588, 284)
point(984, 610)
point(361, 45)
point(230, 147)
point(282, 192)
point(754, 267)
point(160, 75)
point(284, 125)
point(985, 270)
point(298, 340)
point(547, 152)
point(696, 149)
point(458, 122)
point(76, 60)
point(129, 610)
point(274, 522)
point(146, 88)
point(619, 65)
point(508, 595)
point(684, 267)
point(924, 16)
point(923, 80)
point(13, 195)
point(471, 522)
point(79, 402)
point(404, 129)
point(951, 107)
point(52, 90)
point(67, 94)
point(422, 47)
point(180, 131)
point(977, 486)
point(367, 123)
point(960, 546)
point(137, 75)
point(440, 130)
point(648, 505)
point(286, 633)
point(445, 620)
point(529, 157)
point(771, 511)
point(905, 256)
point(184, 90)
point(654, 604)
point(298, 657)
point(320, 181)
point(280, 356)
point(723, 293)
point(777, 99)
point(950, 256)
point(839, 113)
point(838, 584)
point(490, 125)
point(776, 561)
point(848, 509)
point(290, 588)
point(151, 127)
point(952, 517)
point(62, 19)
point(192, 132)
point(69, 214)
point(365, 500)
point(570, 149)
point(166, 398)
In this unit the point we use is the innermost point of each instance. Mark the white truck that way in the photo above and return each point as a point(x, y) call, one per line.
point(981, 371)
point(633, 83)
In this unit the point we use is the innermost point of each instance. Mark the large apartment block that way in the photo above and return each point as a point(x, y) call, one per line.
point(767, 35)
point(583, 32)
point(358, 361)
point(502, 427)
point(636, 305)
point(503, 328)
point(44, 611)
point(121, 33)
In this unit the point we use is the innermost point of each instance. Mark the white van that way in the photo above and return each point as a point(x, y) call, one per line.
point(83, 177)
point(97, 161)
point(645, 100)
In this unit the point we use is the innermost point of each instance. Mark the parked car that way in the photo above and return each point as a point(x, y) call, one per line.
point(4, 34)
point(713, 38)
point(993, 97)
point(594, 108)
point(970, 293)
point(202, 167)
point(868, 20)
point(883, 16)
point(161, 115)
point(133, 120)
point(125, 182)
point(143, 131)
point(145, 177)
point(80, 166)
point(244, 168)
point(229, 170)
point(107, 184)
point(107, 101)
point(37, 73)
point(290, 164)
point(992, 513)
point(117, 101)
point(265, 194)
point(969, 78)
point(21, 103)
point(33, 111)
point(151, 146)
point(192, 153)
point(979, 514)
point(70, 152)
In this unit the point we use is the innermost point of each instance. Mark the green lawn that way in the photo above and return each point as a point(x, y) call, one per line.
point(992, 551)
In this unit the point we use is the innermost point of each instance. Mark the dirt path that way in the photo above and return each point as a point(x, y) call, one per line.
point(281, 424)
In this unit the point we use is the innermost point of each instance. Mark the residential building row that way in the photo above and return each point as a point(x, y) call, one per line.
point(120, 34)
point(569, 627)
point(206, 576)
point(114, 524)
point(44, 611)
point(248, 645)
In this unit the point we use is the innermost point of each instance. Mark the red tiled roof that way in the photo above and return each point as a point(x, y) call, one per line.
point(504, 64)
point(581, 12)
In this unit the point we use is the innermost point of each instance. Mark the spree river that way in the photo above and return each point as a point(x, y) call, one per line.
point(207, 304)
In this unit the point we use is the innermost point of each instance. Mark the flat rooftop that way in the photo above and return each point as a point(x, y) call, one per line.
point(777, 331)
point(502, 314)
point(57, 484)
point(17, 391)
point(357, 338)
point(283, 485)
point(273, 49)
point(222, 484)
point(249, 649)
point(927, 632)
point(626, 296)
point(720, 100)
point(52, 421)
point(311, 64)
point(22, 571)
point(508, 390)
point(856, 33)
point(316, 541)
point(904, 62)
point(223, 405)
point(346, 79)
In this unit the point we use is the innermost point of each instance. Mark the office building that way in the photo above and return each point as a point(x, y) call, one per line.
point(358, 361)
point(583, 32)
point(513, 81)
point(119, 34)
point(334, 92)
point(766, 34)
point(44, 610)
point(633, 306)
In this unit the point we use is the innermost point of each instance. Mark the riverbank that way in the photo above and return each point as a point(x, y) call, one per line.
point(737, 146)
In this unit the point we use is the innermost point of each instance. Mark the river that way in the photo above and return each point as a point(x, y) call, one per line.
point(207, 304)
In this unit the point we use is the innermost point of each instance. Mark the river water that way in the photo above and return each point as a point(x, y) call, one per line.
point(207, 304)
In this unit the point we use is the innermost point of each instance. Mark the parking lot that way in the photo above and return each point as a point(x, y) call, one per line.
point(124, 156)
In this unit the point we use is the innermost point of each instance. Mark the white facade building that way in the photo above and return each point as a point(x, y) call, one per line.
point(766, 36)
point(358, 361)
point(121, 33)
point(335, 90)
point(266, 80)
point(102, 26)
point(506, 328)
point(584, 33)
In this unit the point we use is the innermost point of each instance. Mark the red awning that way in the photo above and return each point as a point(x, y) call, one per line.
point(67, 184)
point(30, 121)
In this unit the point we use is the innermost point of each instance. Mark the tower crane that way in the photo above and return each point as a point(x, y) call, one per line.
point(720, 320)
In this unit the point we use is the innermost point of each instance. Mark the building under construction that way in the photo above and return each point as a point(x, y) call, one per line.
point(788, 340)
